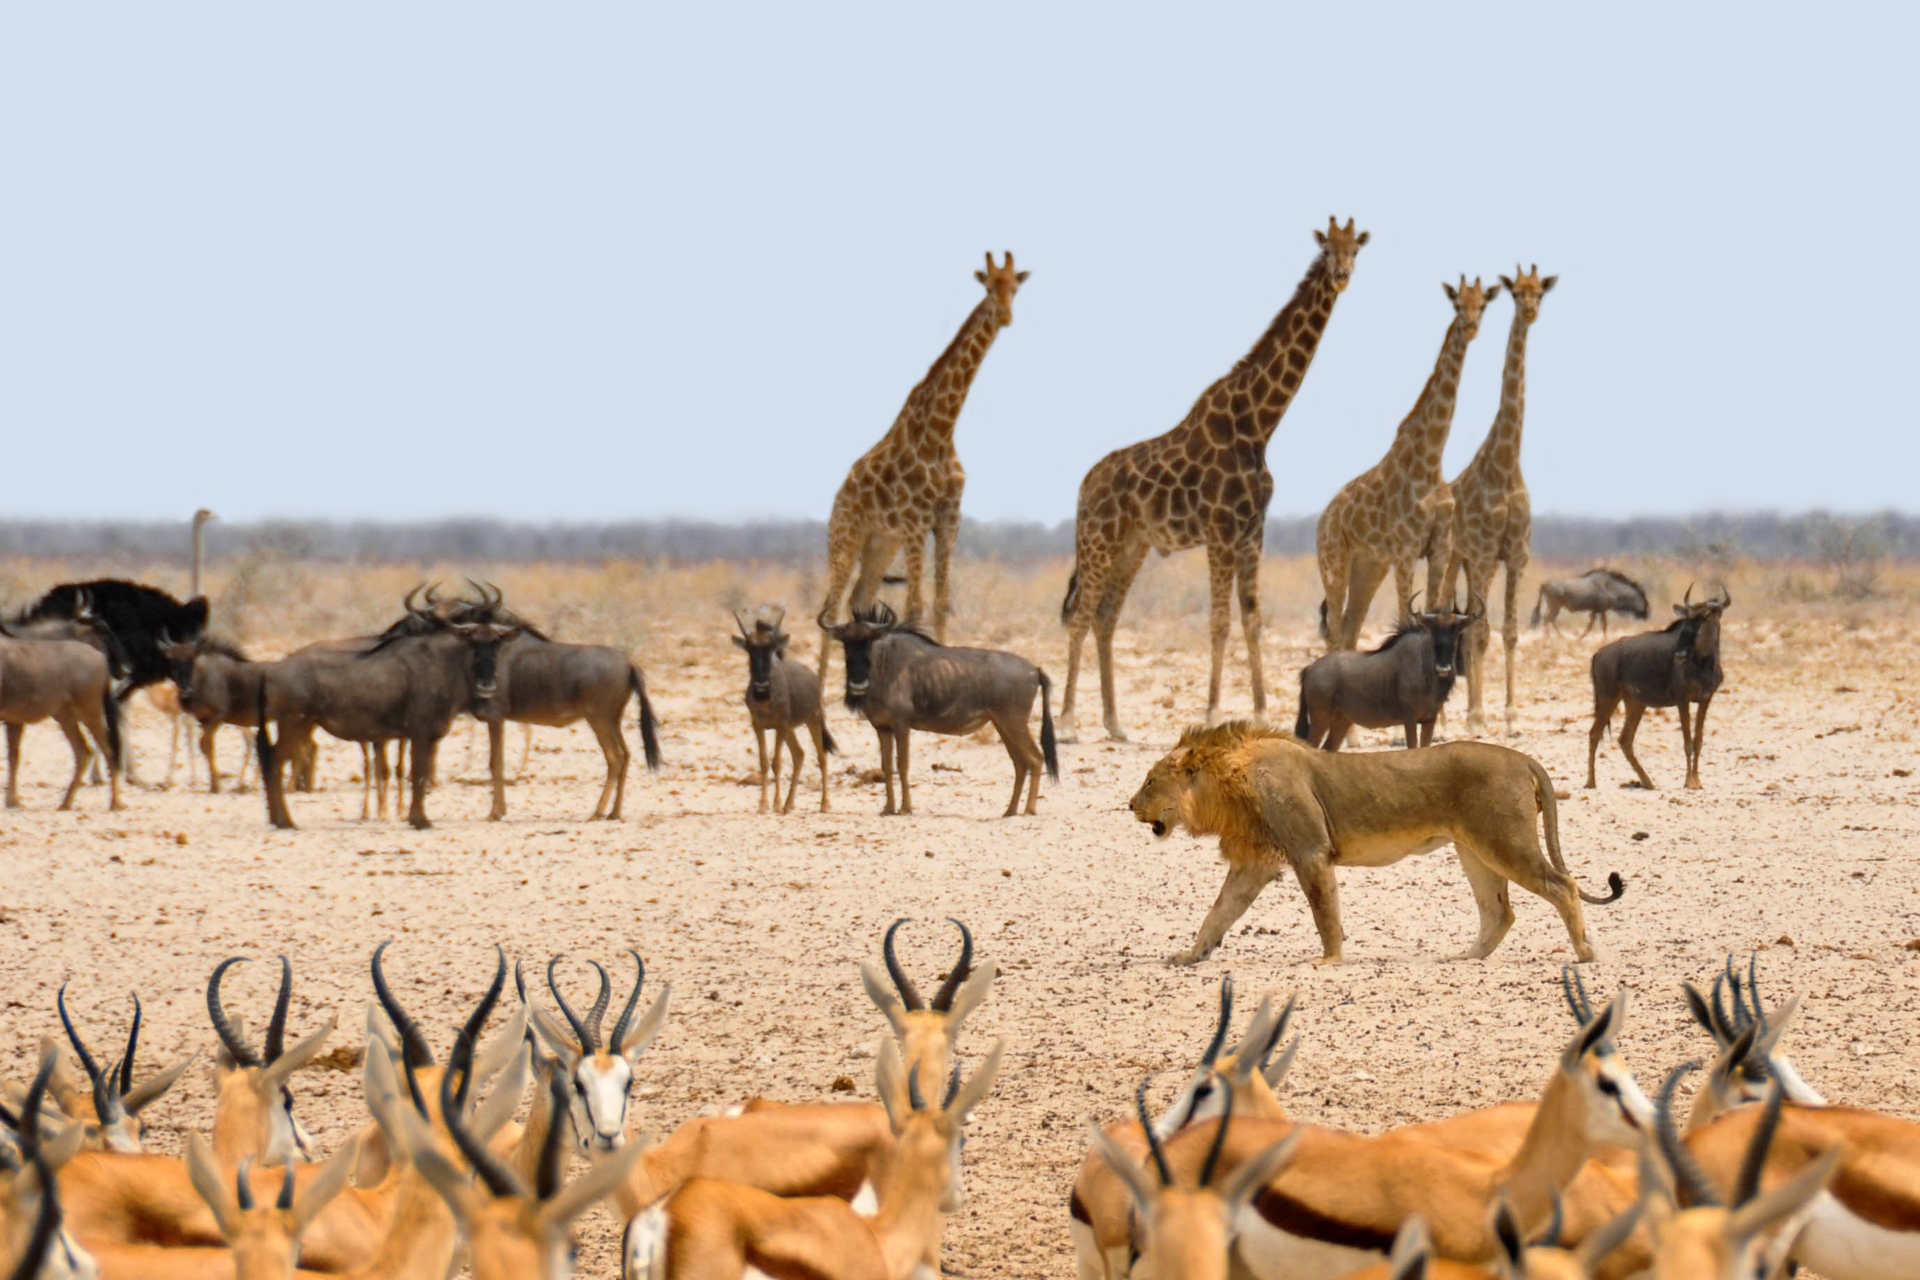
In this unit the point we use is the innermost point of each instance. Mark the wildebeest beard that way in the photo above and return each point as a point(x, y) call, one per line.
point(859, 673)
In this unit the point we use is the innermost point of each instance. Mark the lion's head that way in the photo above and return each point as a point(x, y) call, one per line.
point(1183, 787)
point(1165, 800)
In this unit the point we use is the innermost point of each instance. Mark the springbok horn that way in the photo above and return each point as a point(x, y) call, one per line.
point(277, 1026)
point(1695, 1188)
point(243, 1185)
point(550, 1173)
point(106, 1102)
point(597, 1016)
point(1219, 1140)
point(943, 998)
point(914, 1097)
point(285, 1203)
point(133, 1043)
point(499, 1179)
point(1747, 1185)
point(908, 996)
point(237, 1046)
point(418, 1053)
point(477, 1021)
point(1219, 1040)
point(625, 1019)
point(1153, 1139)
point(566, 1010)
point(1576, 992)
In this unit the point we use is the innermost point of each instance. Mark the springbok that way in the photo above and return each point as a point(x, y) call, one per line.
point(35, 1243)
point(928, 1032)
point(265, 1240)
point(253, 1107)
point(782, 695)
point(1765, 1061)
point(115, 1100)
point(725, 1231)
point(600, 1070)
point(1185, 1232)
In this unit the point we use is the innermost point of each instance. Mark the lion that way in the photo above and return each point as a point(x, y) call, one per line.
point(1275, 802)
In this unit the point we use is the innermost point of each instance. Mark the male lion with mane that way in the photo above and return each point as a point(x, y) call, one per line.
point(1275, 802)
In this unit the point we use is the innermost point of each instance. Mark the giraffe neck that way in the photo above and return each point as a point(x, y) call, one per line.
point(933, 406)
point(1422, 437)
point(1264, 381)
point(1501, 451)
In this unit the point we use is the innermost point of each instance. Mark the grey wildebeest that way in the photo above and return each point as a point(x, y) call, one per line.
point(409, 687)
point(548, 682)
point(1596, 593)
point(782, 695)
point(903, 679)
point(65, 680)
point(1405, 682)
point(1678, 667)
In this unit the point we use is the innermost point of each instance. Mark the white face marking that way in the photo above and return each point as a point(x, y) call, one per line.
point(600, 1086)
point(1618, 1112)
point(122, 1136)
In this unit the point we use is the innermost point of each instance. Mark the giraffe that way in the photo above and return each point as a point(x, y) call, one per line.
point(1492, 519)
point(1203, 483)
point(909, 484)
point(1399, 510)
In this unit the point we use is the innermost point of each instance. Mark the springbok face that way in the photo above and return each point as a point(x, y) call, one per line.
point(1744, 1077)
point(1002, 283)
point(857, 638)
point(1618, 1111)
point(600, 1072)
point(253, 1109)
point(31, 1232)
point(764, 642)
point(927, 1031)
point(117, 1101)
point(929, 1139)
point(1527, 288)
point(1470, 301)
point(1341, 245)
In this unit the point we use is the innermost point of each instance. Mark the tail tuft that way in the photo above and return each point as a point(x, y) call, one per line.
point(110, 710)
point(1303, 723)
point(1073, 598)
point(827, 744)
point(649, 727)
point(1049, 750)
point(1616, 887)
point(1325, 634)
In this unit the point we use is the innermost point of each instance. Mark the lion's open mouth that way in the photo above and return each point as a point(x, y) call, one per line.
point(1159, 827)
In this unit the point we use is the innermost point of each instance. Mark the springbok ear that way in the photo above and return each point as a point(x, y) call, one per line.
point(888, 1003)
point(556, 1036)
point(972, 992)
point(1546, 286)
point(890, 1082)
point(1249, 1176)
point(1505, 1229)
point(1412, 1251)
point(143, 1094)
point(1609, 1237)
point(331, 1181)
point(204, 1172)
point(648, 1027)
point(1276, 1071)
point(282, 1069)
point(977, 1085)
point(1140, 1187)
point(1761, 1213)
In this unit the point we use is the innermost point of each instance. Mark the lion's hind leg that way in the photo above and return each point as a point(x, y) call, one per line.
point(1490, 898)
point(1244, 883)
point(1524, 865)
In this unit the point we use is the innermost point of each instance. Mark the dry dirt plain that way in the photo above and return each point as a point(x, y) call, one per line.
point(1801, 846)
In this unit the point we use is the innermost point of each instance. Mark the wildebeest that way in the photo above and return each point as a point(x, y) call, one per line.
point(903, 679)
point(544, 681)
point(782, 695)
point(409, 687)
point(217, 685)
point(1596, 593)
point(1406, 682)
point(68, 681)
point(1678, 667)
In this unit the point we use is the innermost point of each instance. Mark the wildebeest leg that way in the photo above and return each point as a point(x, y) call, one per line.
point(1337, 734)
point(1027, 763)
point(1699, 737)
point(1220, 573)
point(1426, 733)
point(816, 729)
point(613, 748)
point(1106, 616)
point(526, 749)
point(1591, 618)
point(382, 778)
point(206, 749)
point(1684, 710)
point(795, 758)
point(1412, 728)
point(1628, 727)
point(901, 733)
point(1603, 708)
point(424, 751)
point(1244, 883)
point(82, 757)
point(760, 742)
point(1363, 580)
point(886, 768)
point(366, 778)
point(13, 763)
point(1247, 575)
point(1489, 898)
point(497, 768)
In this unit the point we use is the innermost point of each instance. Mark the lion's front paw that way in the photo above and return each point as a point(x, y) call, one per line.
point(1326, 960)
point(1192, 955)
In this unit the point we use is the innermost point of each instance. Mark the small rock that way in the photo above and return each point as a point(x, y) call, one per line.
point(181, 838)
point(1784, 940)
point(1009, 875)
point(842, 1084)
point(862, 1051)
point(1641, 835)
point(1912, 944)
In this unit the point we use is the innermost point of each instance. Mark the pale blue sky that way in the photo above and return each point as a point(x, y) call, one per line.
point(594, 262)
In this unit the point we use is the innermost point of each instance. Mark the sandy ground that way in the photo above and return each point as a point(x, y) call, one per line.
point(1800, 846)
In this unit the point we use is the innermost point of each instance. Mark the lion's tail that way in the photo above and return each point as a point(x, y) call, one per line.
point(1550, 814)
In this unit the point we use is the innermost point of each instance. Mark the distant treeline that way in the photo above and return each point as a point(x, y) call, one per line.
point(1815, 536)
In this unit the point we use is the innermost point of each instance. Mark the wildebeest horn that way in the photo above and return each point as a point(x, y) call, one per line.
point(1153, 1139)
point(433, 594)
point(943, 998)
point(1687, 598)
point(779, 616)
point(407, 603)
point(416, 1052)
point(237, 1047)
point(580, 1032)
point(1726, 597)
point(908, 996)
point(1219, 1040)
point(740, 621)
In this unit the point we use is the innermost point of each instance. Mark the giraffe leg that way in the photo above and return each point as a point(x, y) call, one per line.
point(1106, 615)
point(1220, 567)
point(1477, 640)
point(1084, 592)
point(946, 531)
point(1510, 630)
point(842, 550)
point(1403, 570)
point(916, 549)
point(1363, 579)
point(1333, 591)
point(1248, 565)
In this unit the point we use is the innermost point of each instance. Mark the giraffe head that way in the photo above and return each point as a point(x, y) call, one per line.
point(1340, 244)
point(1527, 289)
point(1002, 283)
point(1469, 300)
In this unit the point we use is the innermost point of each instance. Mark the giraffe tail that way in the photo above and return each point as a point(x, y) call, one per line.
point(1073, 598)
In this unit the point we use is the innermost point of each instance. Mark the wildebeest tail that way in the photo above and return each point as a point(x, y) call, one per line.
point(1303, 723)
point(110, 710)
point(263, 744)
point(827, 744)
point(649, 727)
point(1325, 634)
point(1049, 751)
point(1550, 812)
point(1539, 605)
point(1073, 597)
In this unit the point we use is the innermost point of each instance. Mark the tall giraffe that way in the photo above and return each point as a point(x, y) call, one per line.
point(1492, 519)
point(1204, 482)
point(1398, 510)
point(909, 484)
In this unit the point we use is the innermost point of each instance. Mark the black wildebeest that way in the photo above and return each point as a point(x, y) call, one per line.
point(549, 682)
point(782, 695)
point(1678, 667)
point(410, 687)
point(1596, 593)
point(903, 679)
point(68, 681)
point(1405, 682)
